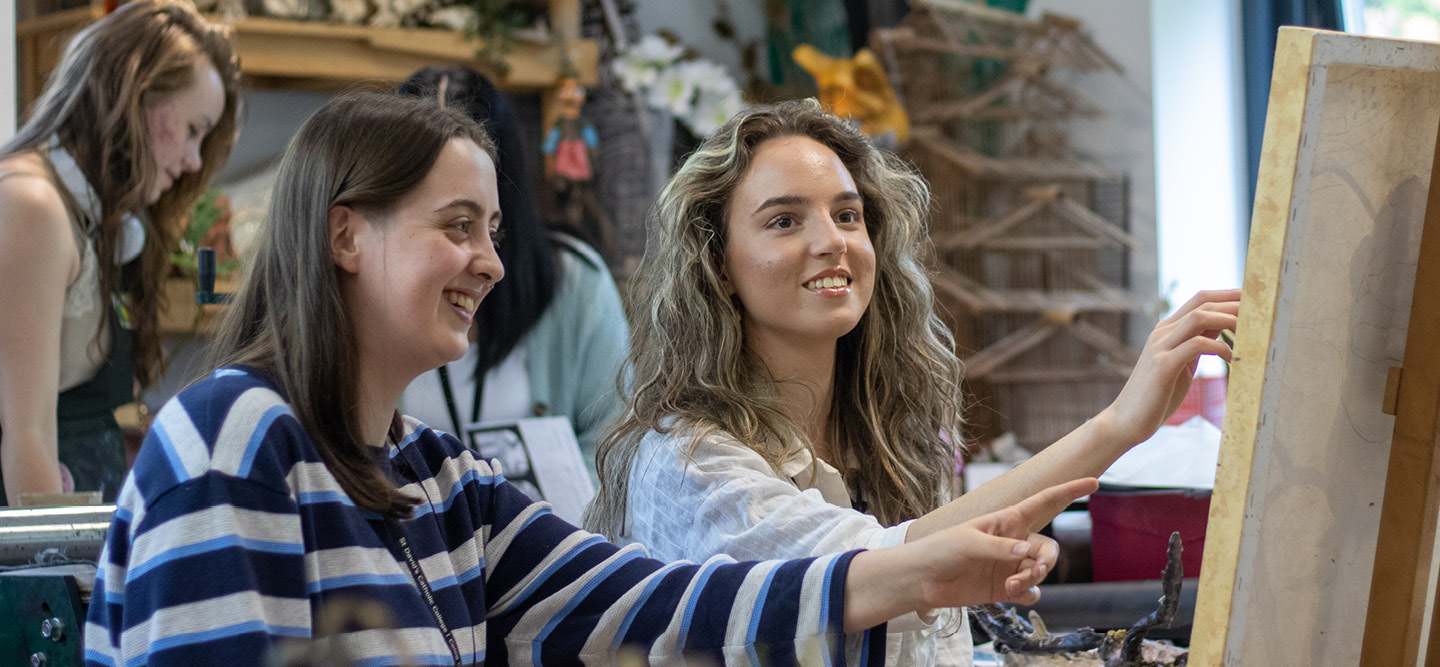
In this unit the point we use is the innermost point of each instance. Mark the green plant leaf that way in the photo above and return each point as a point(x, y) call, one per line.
point(202, 217)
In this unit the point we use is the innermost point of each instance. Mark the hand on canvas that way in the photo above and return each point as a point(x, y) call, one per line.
point(1162, 376)
point(997, 557)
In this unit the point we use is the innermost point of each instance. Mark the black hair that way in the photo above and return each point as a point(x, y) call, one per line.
point(528, 253)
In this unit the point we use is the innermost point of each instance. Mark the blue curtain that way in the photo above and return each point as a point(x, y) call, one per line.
point(1260, 21)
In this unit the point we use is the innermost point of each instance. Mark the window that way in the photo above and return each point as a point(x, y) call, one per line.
point(1408, 19)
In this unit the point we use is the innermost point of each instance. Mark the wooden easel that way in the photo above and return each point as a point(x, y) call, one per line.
point(1313, 472)
point(1399, 624)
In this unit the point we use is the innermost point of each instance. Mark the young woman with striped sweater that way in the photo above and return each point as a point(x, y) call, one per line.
point(284, 485)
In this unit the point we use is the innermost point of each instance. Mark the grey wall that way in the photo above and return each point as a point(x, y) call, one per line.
point(268, 118)
point(1203, 199)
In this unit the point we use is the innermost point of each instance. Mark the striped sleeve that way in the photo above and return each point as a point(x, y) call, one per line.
point(198, 562)
point(225, 579)
point(556, 592)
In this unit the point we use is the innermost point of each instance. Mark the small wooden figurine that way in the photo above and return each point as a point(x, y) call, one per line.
point(569, 148)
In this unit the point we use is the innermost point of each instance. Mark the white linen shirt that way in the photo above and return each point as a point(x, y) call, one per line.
point(723, 498)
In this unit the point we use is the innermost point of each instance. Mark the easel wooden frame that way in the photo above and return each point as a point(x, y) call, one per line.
point(1398, 618)
point(1294, 593)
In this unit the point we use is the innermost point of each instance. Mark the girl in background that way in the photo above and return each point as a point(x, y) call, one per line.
point(94, 189)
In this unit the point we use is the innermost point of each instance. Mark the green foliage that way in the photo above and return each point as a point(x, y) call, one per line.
point(494, 23)
point(203, 216)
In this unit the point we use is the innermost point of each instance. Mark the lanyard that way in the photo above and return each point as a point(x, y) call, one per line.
point(424, 586)
point(450, 404)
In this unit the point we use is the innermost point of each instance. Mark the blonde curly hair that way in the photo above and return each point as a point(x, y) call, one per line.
point(896, 406)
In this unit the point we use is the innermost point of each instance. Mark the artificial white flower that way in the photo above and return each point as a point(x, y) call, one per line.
point(699, 92)
point(709, 77)
point(635, 75)
point(640, 65)
point(674, 91)
point(712, 110)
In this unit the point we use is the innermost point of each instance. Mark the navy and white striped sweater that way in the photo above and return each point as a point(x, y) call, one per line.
point(232, 537)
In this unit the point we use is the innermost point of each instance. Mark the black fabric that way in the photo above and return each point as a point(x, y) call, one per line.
point(89, 441)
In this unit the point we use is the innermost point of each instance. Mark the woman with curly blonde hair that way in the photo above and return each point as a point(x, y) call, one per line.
point(793, 392)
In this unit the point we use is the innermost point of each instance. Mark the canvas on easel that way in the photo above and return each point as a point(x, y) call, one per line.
point(1330, 280)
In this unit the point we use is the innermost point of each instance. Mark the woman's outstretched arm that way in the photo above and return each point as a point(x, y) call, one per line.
point(1153, 393)
point(996, 557)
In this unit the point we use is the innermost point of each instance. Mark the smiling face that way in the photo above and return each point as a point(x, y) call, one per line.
point(415, 275)
point(798, 255)
point(177, 124)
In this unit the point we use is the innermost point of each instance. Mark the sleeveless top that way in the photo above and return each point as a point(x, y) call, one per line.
point(96, 373)
point(82, 353)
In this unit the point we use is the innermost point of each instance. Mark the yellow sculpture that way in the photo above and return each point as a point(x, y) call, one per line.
point(857, 88)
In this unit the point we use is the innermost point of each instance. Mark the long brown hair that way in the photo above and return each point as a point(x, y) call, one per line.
point(897, 403)
point(360, 150)
point(95, 102)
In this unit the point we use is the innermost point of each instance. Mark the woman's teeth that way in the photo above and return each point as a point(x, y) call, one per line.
point(464, 302)
point(823, 283)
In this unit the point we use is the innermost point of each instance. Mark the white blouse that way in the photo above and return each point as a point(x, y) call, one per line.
point(721, 497)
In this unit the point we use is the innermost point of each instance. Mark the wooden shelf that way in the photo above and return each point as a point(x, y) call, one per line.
point(313, 55)
point(303, 50)
point(181, 316)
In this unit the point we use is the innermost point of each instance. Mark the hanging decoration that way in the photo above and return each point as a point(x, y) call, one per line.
point(858, 88)
point(570, 146)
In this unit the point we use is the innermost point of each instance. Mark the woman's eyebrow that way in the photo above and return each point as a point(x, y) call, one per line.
point(782, 200)
point(469, 205)
point(790, 200)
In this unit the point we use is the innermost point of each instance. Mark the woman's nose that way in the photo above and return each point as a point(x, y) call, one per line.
point(486, 264)
point(191, 161)
point(828, 238)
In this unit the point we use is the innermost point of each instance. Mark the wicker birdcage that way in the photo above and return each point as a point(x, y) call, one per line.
point(1032, 242)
